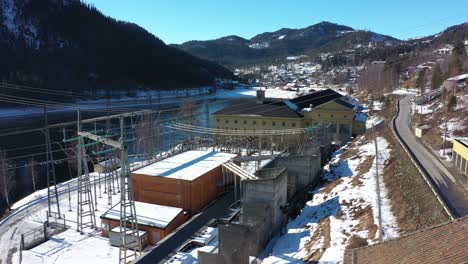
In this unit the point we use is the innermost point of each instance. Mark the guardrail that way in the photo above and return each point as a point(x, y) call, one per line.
point(418, 165)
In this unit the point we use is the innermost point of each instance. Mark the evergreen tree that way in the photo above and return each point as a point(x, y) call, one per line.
point(437, 77)
point(421, 80)
point(455, 62)
point(459, 49)
point(452, 103)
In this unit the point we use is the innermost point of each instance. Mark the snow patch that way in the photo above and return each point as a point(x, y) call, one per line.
point(338, 205)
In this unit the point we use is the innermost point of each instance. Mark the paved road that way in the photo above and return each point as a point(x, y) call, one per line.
point(219, 209)
point(446, 184)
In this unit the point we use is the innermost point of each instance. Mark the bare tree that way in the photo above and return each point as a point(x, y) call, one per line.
point(187, 112)
point(7, 182)
point(376, 80)
point(144, 135)
point(33, 172)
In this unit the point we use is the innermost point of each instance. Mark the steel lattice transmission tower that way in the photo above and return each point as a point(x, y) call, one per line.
point(85, 205)
point(128, 218)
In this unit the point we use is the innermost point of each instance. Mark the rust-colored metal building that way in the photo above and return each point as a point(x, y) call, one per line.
point(157, 220)
point(189, 180)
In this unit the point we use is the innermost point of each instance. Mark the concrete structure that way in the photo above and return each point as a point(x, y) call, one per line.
point(302, 170)
point(271, 189)
point(189, 180)
point(157, 220)
point(446, 243)
point(460, 154)
point(260, 217)
point(325, 106)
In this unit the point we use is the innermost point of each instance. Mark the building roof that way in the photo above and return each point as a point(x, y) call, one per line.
point(463, 141)
point(316, 98)
point(285, 109)
point(271, 109)
point(458, 77)
point(446, 243)
point(188, 165)
point(153, 215)
point(345, 104)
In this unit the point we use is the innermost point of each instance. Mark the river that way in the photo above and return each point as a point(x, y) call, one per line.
point(22, 148)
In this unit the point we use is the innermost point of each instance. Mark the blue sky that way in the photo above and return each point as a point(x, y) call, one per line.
point(177, 21)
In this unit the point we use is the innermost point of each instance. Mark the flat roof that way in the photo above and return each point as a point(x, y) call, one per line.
point(186, 166)
point(154, 215)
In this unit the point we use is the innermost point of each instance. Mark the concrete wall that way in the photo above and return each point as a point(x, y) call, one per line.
point(270, 189)
point(302, 170)
point(239, 241)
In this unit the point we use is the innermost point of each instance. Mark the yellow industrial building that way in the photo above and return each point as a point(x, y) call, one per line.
point(460, 154)
point(326, 106)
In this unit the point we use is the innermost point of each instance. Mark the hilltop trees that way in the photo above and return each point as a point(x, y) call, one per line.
point(455, 65)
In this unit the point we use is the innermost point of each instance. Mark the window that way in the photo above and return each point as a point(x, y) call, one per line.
point(344, 116)
point(235, 129)
point(318, 115)
point(273, 123)
point(264, 123)
point(235, 121)
point(105, 226)
point(283, 123)
point(227, 121)
point(217, 120)
point(307, 124)
point(254, 122)
point(294, 124)
point(331, 115)
point(245, 122)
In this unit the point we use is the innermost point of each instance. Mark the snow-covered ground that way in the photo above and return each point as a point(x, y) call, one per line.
point(245, 93)
point(403, 91)
point(346, 207)
point(69, 246)
point(426, 108)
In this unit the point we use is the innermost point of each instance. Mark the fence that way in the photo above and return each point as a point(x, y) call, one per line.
point(55, 224)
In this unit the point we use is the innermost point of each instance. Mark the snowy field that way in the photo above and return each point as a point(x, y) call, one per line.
point(345, 207)
point(70, 246)
point(250, 93)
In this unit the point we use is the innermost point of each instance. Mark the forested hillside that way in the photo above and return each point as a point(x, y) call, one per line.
point(69, 45)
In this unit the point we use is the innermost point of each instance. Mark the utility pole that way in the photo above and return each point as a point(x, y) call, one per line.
point(52, 192)
point(377, 183)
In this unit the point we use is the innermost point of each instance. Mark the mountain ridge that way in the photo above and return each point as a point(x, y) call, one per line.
point(280, 43)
